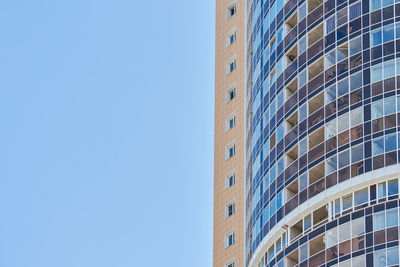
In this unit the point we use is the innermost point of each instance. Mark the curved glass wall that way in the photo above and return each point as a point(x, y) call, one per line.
point(323, 107)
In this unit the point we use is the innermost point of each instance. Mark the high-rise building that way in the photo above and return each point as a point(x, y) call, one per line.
point(322, 122)
point(229, 134)
point(313, 147)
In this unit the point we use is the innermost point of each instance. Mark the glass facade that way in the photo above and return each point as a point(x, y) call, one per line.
point(322, 108)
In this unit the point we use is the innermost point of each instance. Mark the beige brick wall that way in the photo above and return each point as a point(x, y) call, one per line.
point(222, 110)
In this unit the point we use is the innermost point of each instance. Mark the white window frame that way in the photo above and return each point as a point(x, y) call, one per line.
point(232, 173)
point(228, 121)
point(231, 232)
point(228, 147)
point(228, 9)
point(228, 37)
point(230, 263)
point(232, 60)
point(228, 93)
point(230, 203)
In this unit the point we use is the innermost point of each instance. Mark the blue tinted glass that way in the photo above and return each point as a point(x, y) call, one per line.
point(279, 133)
point(266, 23)
point(398, 141)
point(279, 5)
point(390, 105)
point(273, 174)
point(281, 166)
point(273, 206)
point(272, 13)
point(279, 35)
point(266, 86)
point(388, 33)
point(355, 11)
point(393, 188)
point(266, 55)
point(377, 146)
point(398, 30)
point(387, 2)
point(303, 112)
point(376, 37)
point(273, 46)
point(390, 142)
point(343, 87)
point(265, 216)
point(273, 108)
point(375, 4)
point(279, 200)
point(356, 81)
point(280, 100)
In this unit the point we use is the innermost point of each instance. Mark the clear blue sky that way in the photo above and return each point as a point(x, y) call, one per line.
point(106, 133)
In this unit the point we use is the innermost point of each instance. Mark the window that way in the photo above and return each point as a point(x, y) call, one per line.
point(387, 2)
point(230, 38)
point(303, 112)
point(303, 252)
point(382, 190)
point(393, 256)
point(302, 78)
point(357, 227)
point(331, 165)
point(347, 201)
point(388, 33)
point(391, 218)
point(357, 153)
point(229, 180)
point(230, 122)
point(343, 123)
point(343, 87)
point(377, 146)
point(330, 59)
point(356, 116)
point(231, 65)
point(230, 263)
point(390, 142)
point(380, 258)
point(341, 17)
point(302, 11)
point(303, 148)
point(307, 222)
point(377, 109)
point(388, 69)
point(375, 4)
point(355, 45)
point(376, 73)
point(376, 37)
point(393, 188)
point(331, 237)
point(330, 93)
point(344, 232)
point(303, 181)
point(229, 239)
point(278, 245)
point(344, 159)
point(231, 10)
point(355, 11)
point(230, 94)
point(302, 44)
point(329, 24)
point(280, 132)
point(390, 105)
point(397, 30)
point(356, 81)
point(229, 209)
point(361, 196)
point(230, 151)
